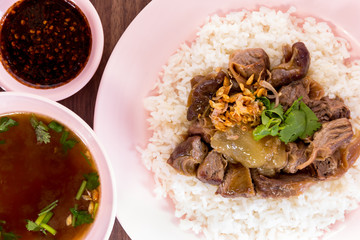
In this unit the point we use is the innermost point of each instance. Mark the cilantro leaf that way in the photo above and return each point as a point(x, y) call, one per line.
point(41, 130)
point(7, 235)
point(271, 118)
point(294, 106)
point(265, 101)
point(6, 123)
point(293, 127)
point(260, 132)
point(299, 121)
point(32, 226)
point(10, 236)
point(275, 112)
point(55, 126)
point(92, 180)
point(81, 217)
point(312, 122)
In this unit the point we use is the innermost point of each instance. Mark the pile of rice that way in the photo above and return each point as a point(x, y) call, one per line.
point(307, 216)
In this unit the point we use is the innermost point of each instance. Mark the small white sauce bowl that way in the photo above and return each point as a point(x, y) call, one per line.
point(11, 102)
point(9, 83)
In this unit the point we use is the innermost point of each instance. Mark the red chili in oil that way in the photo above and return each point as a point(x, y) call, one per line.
point(44, 43)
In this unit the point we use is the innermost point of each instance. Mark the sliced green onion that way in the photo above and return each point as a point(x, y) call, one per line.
point(96, 206)
point(48, 228)
point(74, 216)
point(64, 136)
point(40, 219)
point(48, 208)
point(47, 217)
point(86, 158)
point(81, 190)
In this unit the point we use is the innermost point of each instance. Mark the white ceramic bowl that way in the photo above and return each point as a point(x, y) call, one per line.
point(24, 102)
point(9, 83)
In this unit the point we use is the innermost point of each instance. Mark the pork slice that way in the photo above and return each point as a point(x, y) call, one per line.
point(328, 167)
point(281, 186)
point(296, 154)
point(212, 169)
point(202, 127)
point(188, 155)
point(237, 182)
point(327, 109)
point(328, 139)
point(288, 94)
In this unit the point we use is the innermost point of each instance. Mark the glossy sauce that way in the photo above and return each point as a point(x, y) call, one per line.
point(33, 175)
point(240, 145)
point(44, 43)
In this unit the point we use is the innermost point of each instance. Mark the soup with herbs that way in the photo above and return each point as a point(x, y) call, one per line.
point(49, 184)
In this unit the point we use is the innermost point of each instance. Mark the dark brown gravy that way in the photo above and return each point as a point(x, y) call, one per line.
point(33, 175)
point(44, 43)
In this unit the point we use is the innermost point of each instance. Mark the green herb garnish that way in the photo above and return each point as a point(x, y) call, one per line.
point(80, 217)
point(48, 208)
point(299, 121)
point(86, 158)
point(92, 180)
point(81, 190)
point(32, 226)
point(95, 209)
point(7, 235)
point(6, 123)
point(56, 126)
point(67, 143)
point(41, 130)
point(40, 223)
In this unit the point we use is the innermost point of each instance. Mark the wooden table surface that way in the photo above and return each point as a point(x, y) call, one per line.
point(115, 15)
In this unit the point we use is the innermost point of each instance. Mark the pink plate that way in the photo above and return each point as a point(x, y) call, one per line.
point(149, 41)
point(8, 83)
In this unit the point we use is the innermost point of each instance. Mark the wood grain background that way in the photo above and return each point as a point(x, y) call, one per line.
point(115, 15)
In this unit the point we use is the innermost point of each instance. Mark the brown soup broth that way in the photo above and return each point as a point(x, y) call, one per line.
point(33, 175)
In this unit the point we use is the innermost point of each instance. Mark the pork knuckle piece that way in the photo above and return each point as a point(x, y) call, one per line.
point(202, 127)
point(245, 62)
point(294, 69)
point(212, 169)
point(203, 88)
point(188, 155)
point(237, 182)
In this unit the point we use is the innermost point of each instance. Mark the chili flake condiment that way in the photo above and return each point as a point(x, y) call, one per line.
point(44, 43)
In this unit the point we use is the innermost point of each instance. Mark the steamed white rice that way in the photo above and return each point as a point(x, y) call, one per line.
point(307, 216)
